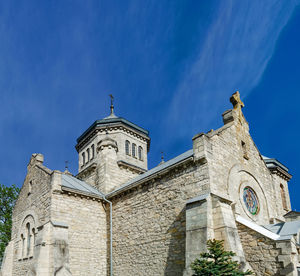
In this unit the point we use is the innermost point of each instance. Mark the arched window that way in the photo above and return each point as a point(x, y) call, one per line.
point(83, 158)
point(283, 198)
point(140, 152)
point(134, 150)
point(127, 147)
point(88, 155)
point(93, 151)
point(28, 239)
point(28, 236)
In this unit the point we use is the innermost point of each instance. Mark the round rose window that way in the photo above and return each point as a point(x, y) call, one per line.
point(251, 200)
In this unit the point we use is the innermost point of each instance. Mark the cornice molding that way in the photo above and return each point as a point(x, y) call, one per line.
point(104, 129)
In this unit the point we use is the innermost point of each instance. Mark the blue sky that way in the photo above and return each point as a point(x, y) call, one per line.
point(171, 65)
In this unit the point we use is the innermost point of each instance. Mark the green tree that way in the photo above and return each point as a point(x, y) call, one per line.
point(217, 262)
point(8, 196)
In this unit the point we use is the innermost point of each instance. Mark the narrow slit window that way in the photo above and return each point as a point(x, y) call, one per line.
point(245, 151)
point(127, 147)
point(28, 238)
point(33, 240)
point(22, 245)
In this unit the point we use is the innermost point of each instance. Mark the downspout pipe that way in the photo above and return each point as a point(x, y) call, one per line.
point(110, 229)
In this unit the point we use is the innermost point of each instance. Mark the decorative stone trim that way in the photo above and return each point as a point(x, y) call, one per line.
point(90, 169)
point(107, 143)
point(82, 194)
point(280, 172)
point(131, 167)
point(110, 129)
point(198, 198)
point(204, 197)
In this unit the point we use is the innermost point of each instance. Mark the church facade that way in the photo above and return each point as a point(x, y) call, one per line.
point(116, 217)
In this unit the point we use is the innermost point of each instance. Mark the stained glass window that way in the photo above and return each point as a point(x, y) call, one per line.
point(251, 200)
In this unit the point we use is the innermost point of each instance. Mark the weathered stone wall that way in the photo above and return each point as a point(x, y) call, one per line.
point(149, 223)
point(86, 220)
point(33, 201)
point(234, 163)
point(277, 181)
point(7, 261)
point(260, 252)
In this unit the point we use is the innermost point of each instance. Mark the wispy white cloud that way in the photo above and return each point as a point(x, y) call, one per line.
point(233, 56)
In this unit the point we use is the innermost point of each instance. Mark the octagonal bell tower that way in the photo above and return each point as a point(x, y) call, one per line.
point(111, 152)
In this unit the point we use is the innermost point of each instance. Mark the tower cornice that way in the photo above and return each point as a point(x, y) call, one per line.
point(110, 124)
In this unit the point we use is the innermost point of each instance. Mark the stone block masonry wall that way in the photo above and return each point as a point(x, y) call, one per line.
point(149, 223)
point(260, 252)
point(86, 220)
point(35, 200)
point(235, 163)
point(281, 209)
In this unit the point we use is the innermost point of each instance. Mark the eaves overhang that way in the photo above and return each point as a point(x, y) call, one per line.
point(277, 167)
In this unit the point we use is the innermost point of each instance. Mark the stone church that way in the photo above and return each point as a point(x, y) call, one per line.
point(116, 217)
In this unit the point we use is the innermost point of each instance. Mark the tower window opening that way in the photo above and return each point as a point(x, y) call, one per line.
point(93, 151)
point(134, 150)
point(88, 155)
point(140, 153)
point(83, 158)
point(127, 147)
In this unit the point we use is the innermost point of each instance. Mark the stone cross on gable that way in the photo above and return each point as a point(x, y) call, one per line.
point(237, 103)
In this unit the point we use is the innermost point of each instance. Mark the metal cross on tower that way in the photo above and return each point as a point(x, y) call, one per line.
point(111, 104)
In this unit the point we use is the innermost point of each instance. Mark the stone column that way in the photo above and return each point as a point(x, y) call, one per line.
point(42, 250)
point(199, 228)
point(225, 228)
point(288, 256)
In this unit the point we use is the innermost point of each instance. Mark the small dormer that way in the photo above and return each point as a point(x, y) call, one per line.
point(113, 138)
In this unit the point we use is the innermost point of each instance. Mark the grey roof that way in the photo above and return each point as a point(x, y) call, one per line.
point(110, 120)
point(292, 214)
point(273, 163)
point(285, 228)
point(161, 167)
point(73, 183)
